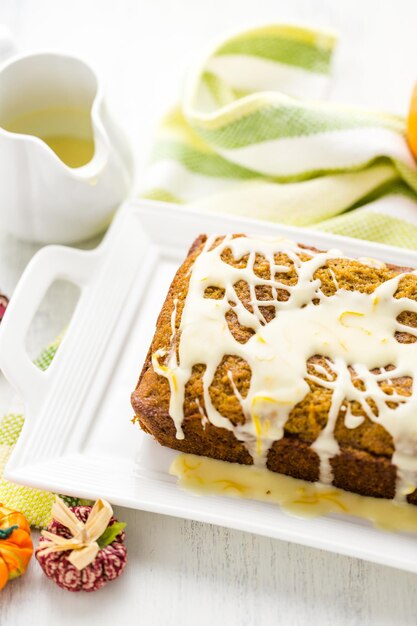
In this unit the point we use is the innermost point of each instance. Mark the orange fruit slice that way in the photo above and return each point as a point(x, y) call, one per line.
point(412, 123)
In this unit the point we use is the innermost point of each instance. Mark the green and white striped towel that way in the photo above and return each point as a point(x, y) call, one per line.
point(34, 504)
point(254, 137)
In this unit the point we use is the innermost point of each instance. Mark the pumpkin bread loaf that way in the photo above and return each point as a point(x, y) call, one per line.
point(363, 448)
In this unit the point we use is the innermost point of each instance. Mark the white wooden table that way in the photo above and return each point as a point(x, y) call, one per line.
point(181, 572)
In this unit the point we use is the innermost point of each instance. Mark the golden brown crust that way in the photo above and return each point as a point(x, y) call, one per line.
point(364, 462)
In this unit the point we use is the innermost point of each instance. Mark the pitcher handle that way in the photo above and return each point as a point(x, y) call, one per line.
point(8, 47)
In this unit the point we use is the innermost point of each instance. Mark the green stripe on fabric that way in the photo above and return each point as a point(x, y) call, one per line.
point(206, 164)
point(401, 189)
point(174, 127)
point(321, 38)
point(407, 173)
point(220, 91)
point(308, 56)
point(373, 226)
point(10, 427)
point(46, 357)
point(288, 120)
point(162, 195)
point(396, 188)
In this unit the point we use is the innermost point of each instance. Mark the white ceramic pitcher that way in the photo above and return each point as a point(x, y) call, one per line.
point(42, 198)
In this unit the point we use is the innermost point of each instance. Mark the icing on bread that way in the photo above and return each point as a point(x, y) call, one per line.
point(355, 331)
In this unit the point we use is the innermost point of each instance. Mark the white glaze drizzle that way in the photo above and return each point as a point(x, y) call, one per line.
point(204, 420)
point(348, 328)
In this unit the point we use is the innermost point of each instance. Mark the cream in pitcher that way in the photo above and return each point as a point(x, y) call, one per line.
point(64, 166)
point(67, 131)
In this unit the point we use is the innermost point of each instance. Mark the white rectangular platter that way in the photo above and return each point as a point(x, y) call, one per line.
point(78, 438)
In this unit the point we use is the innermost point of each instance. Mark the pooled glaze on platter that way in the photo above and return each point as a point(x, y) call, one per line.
point(204, 476)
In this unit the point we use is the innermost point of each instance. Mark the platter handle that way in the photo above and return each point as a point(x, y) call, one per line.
point(48, 265)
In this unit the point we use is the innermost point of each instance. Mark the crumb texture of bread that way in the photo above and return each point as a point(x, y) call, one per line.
point(363, 462)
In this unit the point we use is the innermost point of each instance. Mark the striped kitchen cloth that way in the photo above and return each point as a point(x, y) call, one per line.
point(34, 504)
point(253, 136)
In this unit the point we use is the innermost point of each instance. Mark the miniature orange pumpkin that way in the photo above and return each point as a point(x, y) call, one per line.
point(412, 123)
point(16, 546)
